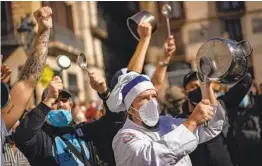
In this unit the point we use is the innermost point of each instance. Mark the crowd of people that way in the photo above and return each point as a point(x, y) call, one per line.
point(199, 124)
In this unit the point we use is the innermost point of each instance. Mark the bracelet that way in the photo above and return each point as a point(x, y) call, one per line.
point(104, 95)
point(162, 63)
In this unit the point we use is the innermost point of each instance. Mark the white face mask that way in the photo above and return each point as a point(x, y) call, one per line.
point(149, 113)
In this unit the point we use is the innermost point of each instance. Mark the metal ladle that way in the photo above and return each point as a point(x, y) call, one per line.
point(81, 61)
point(63, 62)
point(166, 11)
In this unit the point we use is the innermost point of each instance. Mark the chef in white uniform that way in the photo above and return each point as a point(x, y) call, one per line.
point(149, 139)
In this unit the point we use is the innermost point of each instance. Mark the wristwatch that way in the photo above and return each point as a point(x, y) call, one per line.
point(105, 95)
point(162, 63)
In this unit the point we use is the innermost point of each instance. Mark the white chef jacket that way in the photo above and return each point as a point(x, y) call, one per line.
point(169, 145)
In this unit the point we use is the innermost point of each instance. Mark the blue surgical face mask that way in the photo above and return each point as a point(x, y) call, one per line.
point(59, 118)
point(244, 102)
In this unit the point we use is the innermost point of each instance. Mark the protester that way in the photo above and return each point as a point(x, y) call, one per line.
point(174, 100)
point(90, 113)
point(78, 113)
point(205, 154)
point(45, 135)
point(146, 139)
point(214, 152)
point(12, 155)
point(244, 134)
point(29, 76)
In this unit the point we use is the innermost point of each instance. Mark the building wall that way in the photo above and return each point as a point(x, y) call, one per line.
point(87, 18)
point(20, 9)
point(84, 16)
point(254, 38)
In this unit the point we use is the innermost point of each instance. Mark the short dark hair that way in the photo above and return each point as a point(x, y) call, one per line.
point(191, 76)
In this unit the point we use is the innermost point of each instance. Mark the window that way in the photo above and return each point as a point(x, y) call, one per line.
point(223, 6)
point(62, 13)
point(6, 18)
point(233, 27)
point(257, 25)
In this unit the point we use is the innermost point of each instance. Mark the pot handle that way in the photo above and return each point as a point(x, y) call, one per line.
point(246, 47)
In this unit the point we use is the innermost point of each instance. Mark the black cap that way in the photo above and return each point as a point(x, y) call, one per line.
point(63, 93)
point(191, 76)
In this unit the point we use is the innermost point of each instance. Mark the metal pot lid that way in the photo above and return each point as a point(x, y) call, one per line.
point(217, 51)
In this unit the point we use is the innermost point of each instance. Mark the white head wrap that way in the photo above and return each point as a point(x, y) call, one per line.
point(129, 86)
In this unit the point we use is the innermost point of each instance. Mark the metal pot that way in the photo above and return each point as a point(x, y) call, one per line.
point(132, 22)
point(223, 60)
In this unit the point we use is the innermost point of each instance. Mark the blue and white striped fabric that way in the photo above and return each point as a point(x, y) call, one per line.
point(129, 86)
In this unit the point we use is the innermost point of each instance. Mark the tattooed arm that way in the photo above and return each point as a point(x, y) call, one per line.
point(23, 89)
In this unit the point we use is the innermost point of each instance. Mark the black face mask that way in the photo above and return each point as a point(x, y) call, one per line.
point(195, 96)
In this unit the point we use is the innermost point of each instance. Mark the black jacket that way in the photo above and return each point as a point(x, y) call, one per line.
point(35, 139)
point(244, 134)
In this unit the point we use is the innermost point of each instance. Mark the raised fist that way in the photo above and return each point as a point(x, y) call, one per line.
point(203, 112)
point(170, 46)
point(144, 29)
point(97, 83)
point(43, 17)
point(54, 87)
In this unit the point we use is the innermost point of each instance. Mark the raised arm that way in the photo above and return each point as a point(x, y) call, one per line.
point(137, 61)
point(207, 92)
point(97, 128)
point(30, 137)
point(214, 125)
point(230, 99)
point(160, 73)
point(24, 87)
